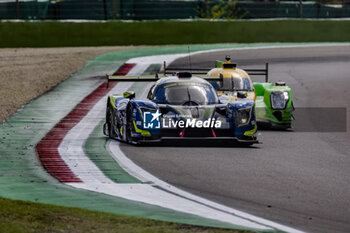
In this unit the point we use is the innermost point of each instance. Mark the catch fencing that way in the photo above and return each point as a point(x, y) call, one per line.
point(162, 9)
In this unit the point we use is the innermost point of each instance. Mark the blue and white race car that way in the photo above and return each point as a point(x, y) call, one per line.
point(178, 107)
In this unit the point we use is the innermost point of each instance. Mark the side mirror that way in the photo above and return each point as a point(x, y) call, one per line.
point(241, 94)
point(129, 94)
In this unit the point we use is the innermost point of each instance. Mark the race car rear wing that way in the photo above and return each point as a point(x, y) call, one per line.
point(153, 78)
point(113, 78)
point(204, 71)
point(199, 72)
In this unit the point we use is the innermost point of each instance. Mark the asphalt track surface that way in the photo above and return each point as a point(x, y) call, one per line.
point(300, 178)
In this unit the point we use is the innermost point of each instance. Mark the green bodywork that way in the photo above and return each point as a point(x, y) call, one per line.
point(263, 109)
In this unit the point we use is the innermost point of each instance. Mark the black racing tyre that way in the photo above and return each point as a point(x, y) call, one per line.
point(109, 121)
point(129, 125)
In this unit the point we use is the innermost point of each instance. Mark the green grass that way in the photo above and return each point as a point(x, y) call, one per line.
point(24, 216)
point(57, 34)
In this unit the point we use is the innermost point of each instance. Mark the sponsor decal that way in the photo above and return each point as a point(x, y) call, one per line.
point(191, 123)
point(153, 120)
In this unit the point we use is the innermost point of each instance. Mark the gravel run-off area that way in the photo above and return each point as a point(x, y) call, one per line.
point(26, 73)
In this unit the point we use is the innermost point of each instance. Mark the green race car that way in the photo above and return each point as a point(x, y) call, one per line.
point(273, 105)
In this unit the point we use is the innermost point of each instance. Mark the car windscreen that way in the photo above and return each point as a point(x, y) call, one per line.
point(186, 94)
point(237, 84)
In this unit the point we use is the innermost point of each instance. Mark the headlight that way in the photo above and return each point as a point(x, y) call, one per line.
point(243, 116)
point(279, 99)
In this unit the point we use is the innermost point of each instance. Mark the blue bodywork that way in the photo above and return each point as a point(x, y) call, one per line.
point(215, 118)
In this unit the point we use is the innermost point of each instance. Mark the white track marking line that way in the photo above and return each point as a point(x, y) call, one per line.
point(148, 194)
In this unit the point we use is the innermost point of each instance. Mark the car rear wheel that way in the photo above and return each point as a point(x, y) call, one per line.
point(129, 126)
point(110, 126)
